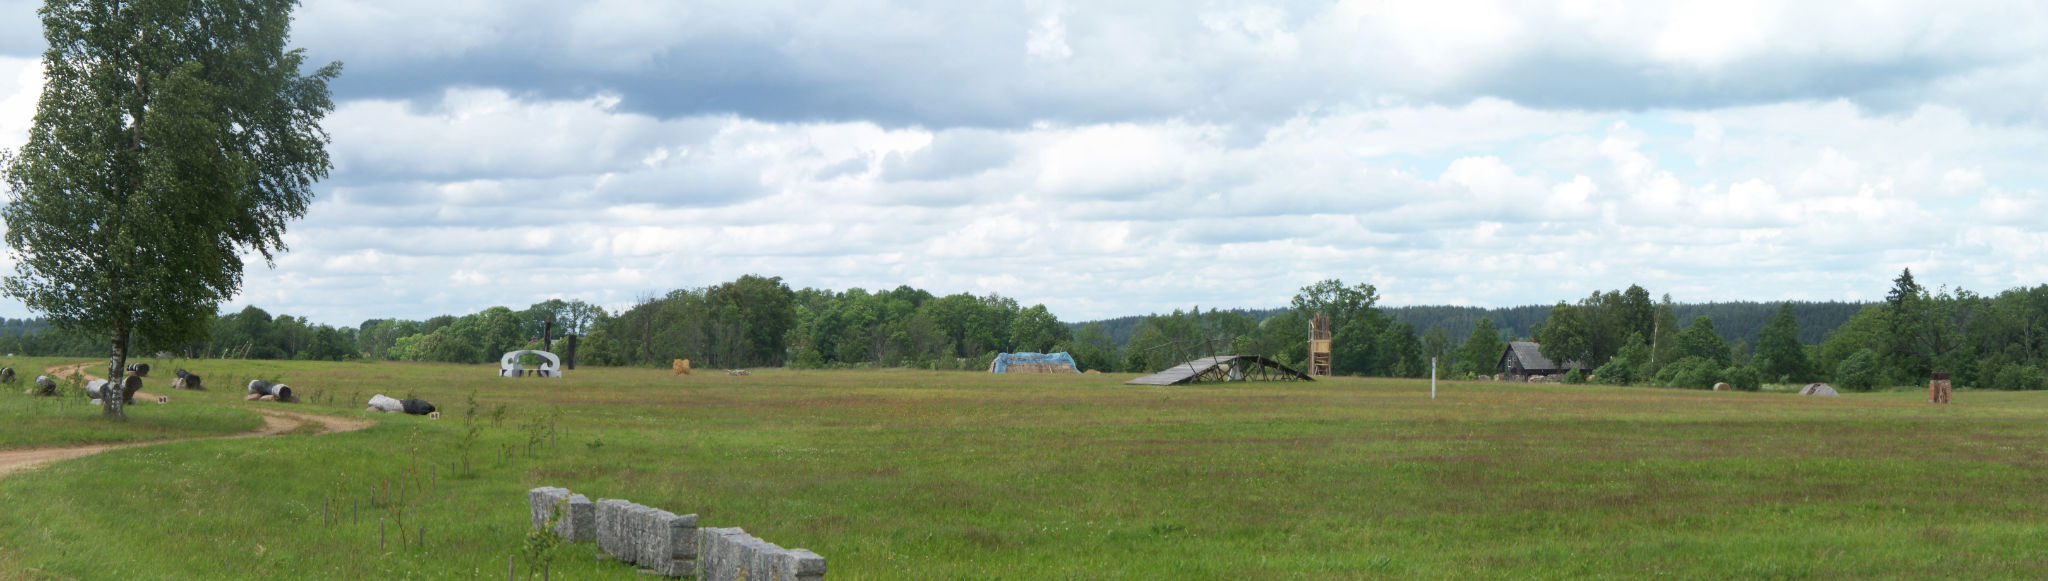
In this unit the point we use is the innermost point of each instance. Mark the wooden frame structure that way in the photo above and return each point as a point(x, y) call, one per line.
point(1319, 345)
point(1223, 368)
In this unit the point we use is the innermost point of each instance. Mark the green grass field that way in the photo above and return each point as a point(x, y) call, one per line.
point(951, 475)
point(34, 422)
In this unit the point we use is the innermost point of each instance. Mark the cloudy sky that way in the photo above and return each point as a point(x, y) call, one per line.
point(1113, 158)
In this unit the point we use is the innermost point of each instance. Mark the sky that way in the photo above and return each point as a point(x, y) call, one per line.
point(1129, 157)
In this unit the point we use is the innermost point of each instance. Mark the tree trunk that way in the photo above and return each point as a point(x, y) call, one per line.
point(113, 396)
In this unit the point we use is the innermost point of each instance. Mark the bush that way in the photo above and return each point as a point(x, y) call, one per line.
point(1615, 372)
point(2020, 377)
point(1742, 378)
point(1625, 368)
point(807, 358)
point(1692, 372)
point(1860, 372)
point(981, 363)
point(1574, 376)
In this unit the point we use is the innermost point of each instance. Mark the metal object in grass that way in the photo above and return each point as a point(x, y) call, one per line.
point(186, 380)
point(44, 386)
point(509, 366)
point(276, 391)
point(1820, 389)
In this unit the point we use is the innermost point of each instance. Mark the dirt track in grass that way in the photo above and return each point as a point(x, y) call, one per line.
point(275, 422)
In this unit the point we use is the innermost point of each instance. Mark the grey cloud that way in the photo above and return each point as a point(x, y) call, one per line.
point(850, 167)
point(698, 185)
point(933, 64)
point(952, 154)
point(21, 31)
point(936, 64)
point(1601, 83)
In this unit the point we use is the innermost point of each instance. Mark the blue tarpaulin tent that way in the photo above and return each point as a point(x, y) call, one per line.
point(1034, 363)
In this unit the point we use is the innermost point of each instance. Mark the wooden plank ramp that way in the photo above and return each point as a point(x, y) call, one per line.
point(1219, 368)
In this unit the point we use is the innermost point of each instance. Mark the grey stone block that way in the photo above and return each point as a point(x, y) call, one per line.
point(542, 500)
point(670, 544)
point(579, 520)
point(648, 537)
point(730, 554)
point(614, 534)
point(717, 553)
point(761, 559)
point(805, 565)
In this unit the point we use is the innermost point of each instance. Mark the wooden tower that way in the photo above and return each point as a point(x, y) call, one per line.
point(1319, 345)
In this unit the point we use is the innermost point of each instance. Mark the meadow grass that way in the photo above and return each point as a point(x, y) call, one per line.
point(896, 474)
point(71, 419)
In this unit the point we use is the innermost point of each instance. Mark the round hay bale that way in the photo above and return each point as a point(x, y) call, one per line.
point(1723, 386)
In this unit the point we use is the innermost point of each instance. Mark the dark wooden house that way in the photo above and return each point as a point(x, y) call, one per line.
point(1524, 359)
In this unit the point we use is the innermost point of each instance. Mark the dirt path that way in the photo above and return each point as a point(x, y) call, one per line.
point(275, 422)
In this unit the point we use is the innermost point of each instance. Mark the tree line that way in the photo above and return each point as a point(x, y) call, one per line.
point(1996, 341)
point(1618, 336)
point(1735, 321)
point(1365, 340)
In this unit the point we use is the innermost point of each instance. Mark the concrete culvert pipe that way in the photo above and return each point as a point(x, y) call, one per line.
point(186, 380)
point(258, 389)
point(99, 389)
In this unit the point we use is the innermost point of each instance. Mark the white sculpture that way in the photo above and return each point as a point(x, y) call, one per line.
point(550, 365)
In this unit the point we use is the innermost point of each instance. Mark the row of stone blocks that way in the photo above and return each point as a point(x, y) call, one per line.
point(671, 545)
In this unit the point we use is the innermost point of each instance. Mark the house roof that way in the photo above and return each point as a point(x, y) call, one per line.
point(1530, 354)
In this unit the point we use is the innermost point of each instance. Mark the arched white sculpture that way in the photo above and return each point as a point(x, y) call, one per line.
point(508, 366)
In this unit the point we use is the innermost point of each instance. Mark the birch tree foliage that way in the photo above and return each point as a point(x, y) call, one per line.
point(172, 137)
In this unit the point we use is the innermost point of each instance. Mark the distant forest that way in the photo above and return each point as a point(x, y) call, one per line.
point(1621, 336)
point(1734, 321)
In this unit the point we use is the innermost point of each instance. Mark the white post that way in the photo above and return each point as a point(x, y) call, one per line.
point(1432, 378)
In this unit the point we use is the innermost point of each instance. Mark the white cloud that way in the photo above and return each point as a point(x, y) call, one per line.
point(1048, 39)
point(21, 85)
point(1085, 155)
point(1710, 34)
